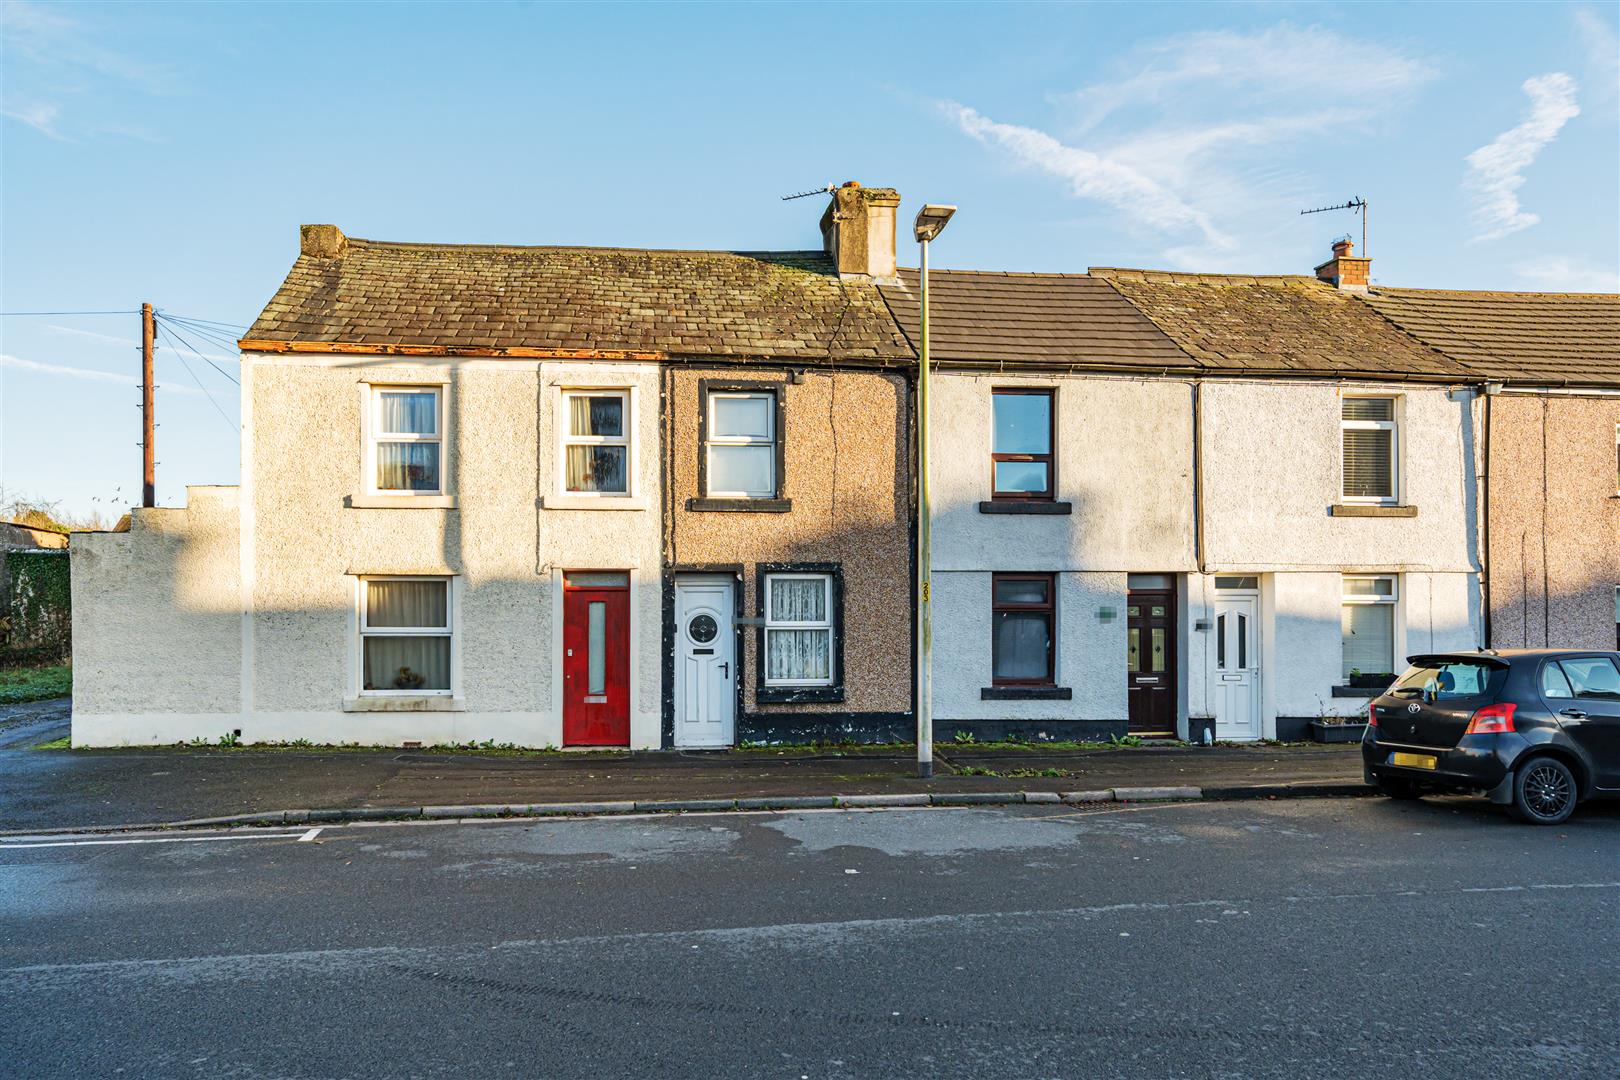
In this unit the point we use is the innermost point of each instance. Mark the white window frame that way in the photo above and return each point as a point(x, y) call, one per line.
point(446, 631)
point(771, 577)
point(375, 435)
point(1393, 426)
point(565, 439)
point(1396, 632)
point(711, 440)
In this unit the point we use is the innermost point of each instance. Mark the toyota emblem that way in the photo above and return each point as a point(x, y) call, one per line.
point(1414, 707)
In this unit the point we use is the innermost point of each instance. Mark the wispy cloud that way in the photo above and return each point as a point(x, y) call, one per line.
point(1558, 273)
point(1602, 77)
point(1281, 62)
point(1185, 143)
point(1496, 170)
point(54, 60)
point(1090, 175)
point(84, 374)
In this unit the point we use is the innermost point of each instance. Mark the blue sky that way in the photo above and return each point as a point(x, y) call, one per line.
point(168, 153)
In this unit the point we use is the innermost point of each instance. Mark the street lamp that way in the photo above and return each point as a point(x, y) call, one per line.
point(931, 221)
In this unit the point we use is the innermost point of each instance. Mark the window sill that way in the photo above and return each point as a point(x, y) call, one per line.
point(1026, 693)
point(594, 502)
point(1031, 506)
point(1359, 691)
point(744, 506)
point(1371, 510)
point(405, 703)
point(797, 695)
point(400, 502)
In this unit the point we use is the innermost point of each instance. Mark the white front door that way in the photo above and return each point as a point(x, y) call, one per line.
point(1237, 668)
point(705, 661)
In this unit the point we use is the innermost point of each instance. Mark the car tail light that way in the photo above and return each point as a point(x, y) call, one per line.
point(1372, 715)
point(1492, 719)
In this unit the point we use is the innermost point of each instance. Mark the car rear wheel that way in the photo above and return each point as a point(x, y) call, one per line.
point(1544, 791)
point(1399, 789)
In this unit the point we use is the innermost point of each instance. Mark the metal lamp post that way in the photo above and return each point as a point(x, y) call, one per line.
point(931, 221)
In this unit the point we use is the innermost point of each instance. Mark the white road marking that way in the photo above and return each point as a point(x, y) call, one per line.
point(158, 840)
point(312, 834)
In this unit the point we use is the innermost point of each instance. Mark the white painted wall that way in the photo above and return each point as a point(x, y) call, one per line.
point(156, 625)
point(1090, 660)
point(504, 532)
point(1123, 461)
point(1271, 454)
point(1273, 468)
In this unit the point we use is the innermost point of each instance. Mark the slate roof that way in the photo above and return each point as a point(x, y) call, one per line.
point(1237, 324)
point(1057, 320)
point(1556, 338)
point(685, 303)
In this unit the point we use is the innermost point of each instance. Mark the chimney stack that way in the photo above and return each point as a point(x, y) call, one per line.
point(322, 241)
point(1346, 271)
point(857, 230)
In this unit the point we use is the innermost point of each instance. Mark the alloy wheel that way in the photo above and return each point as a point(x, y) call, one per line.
point(1547, 791)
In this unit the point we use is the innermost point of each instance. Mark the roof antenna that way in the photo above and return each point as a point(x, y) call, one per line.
point(828, 190)
point(1357, 204)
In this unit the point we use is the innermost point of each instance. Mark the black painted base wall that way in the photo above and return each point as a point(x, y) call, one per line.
point(1294, 728)
point(798, 729)
point(1030, 730)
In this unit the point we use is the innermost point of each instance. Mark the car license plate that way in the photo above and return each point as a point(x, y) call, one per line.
point(1413, 761)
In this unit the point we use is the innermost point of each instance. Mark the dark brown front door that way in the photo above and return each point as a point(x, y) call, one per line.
point(1150, 619)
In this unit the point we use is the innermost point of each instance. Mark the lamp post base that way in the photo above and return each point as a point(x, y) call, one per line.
point(925, 770)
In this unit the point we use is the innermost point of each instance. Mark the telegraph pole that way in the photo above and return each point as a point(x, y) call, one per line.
point(148, 472)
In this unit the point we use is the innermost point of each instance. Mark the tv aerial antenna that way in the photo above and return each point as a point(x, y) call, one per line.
point(828, 190)
point(1356, 204)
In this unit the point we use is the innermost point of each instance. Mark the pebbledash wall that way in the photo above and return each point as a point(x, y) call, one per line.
point(846, 473)
point(1272, 474)
point(240, 612)
point(1553, 512)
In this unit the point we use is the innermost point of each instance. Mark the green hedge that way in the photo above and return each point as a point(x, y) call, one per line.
point(38, 620)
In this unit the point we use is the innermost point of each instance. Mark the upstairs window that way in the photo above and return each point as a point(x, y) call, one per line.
point(1367, 625)
point(406, 429)
point(596, 442)
point(1021, 610)
point(1370, 449)
point(740, 445)
point(1021, 446)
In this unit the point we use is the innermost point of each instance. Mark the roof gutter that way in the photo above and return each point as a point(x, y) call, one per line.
point(522, 352)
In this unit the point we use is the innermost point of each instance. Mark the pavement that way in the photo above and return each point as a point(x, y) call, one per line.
point(72, 789)
point(1289, 939)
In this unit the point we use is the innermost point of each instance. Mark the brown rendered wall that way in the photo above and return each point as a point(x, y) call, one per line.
point(1554, 521)
point(845, 445)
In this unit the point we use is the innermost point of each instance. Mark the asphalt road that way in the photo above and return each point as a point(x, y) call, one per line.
point(1308, 938)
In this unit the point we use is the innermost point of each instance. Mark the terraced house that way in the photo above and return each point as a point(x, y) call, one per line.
point(661, 499)
point(1181, 502)
point(539, 496)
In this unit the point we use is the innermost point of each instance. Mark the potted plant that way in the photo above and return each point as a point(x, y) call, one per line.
point(1376, 680)
point(1338, 729)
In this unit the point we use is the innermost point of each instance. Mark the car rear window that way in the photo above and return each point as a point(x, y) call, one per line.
point(1452, 679)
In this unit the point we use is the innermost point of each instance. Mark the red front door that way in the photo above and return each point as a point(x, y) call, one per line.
point(596, 666)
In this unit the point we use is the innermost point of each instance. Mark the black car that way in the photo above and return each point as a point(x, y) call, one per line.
point(1536, 729)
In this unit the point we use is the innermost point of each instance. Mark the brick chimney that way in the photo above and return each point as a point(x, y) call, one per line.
point(1345, 270)
point(857, 230)
point(322, 241)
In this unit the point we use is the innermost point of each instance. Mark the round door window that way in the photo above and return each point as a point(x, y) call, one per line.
point(702, 628)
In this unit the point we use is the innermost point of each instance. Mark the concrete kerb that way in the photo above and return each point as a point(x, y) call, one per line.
point(274, 818)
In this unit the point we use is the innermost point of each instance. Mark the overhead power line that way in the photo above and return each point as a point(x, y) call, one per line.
point(20, 314)
point(206, 393)
point(180, 337)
